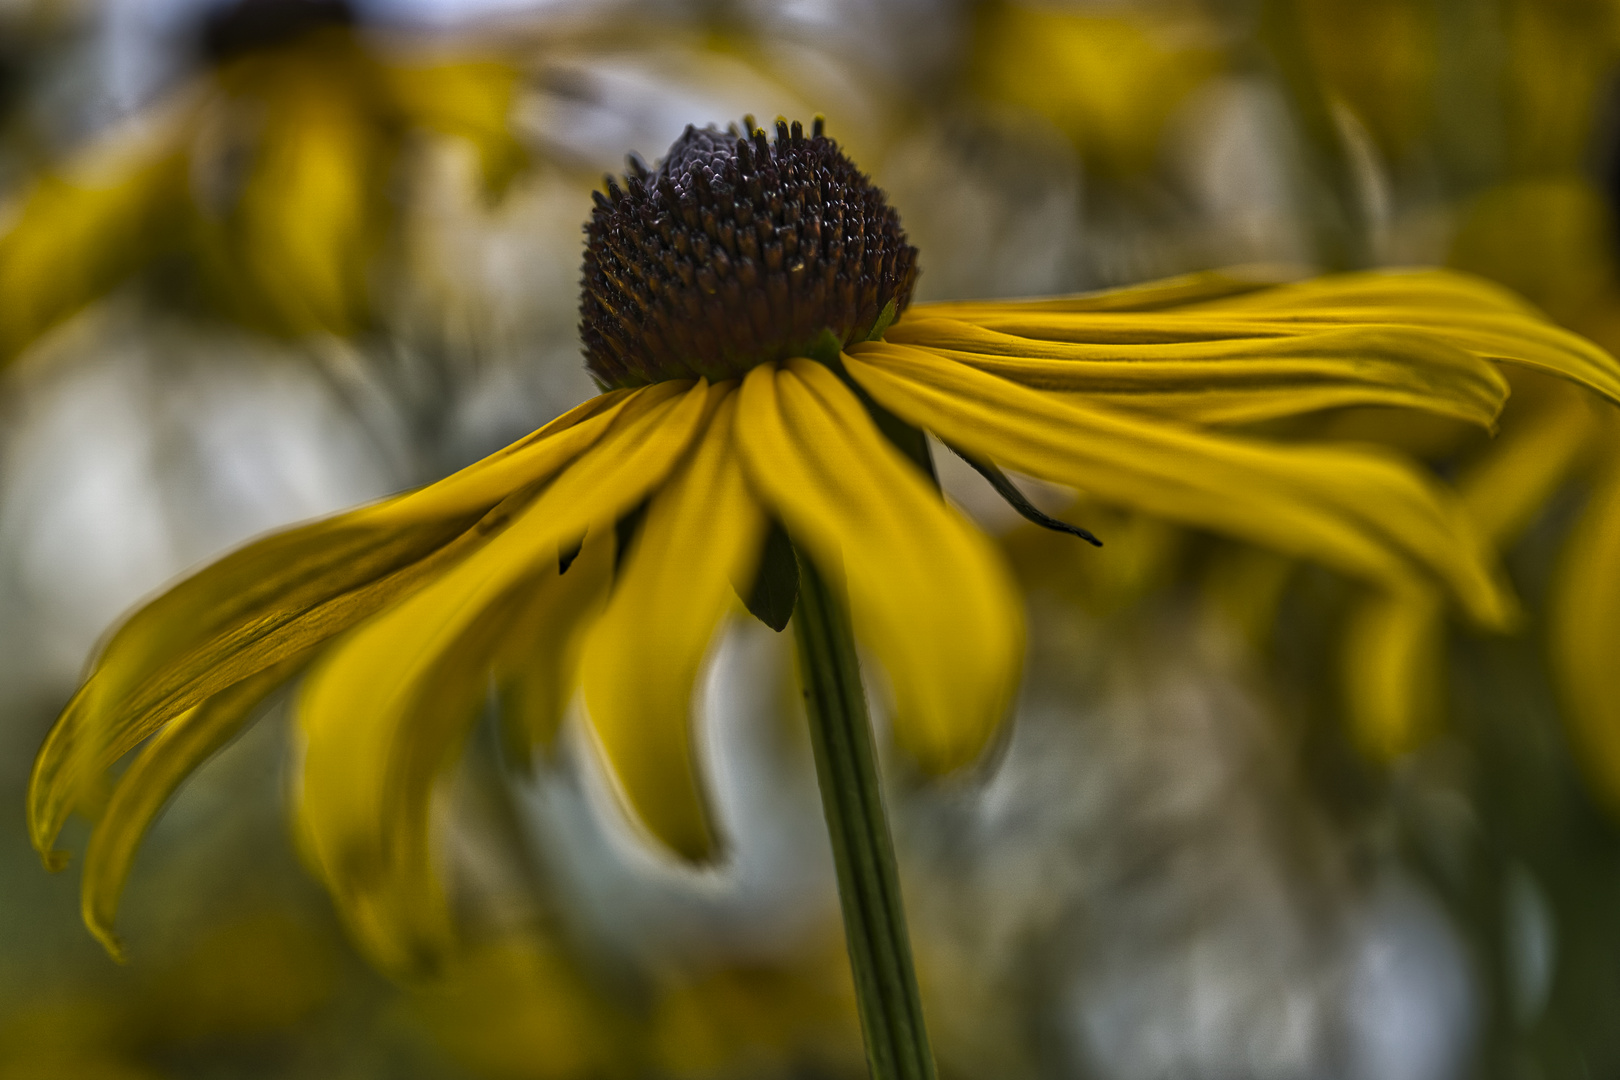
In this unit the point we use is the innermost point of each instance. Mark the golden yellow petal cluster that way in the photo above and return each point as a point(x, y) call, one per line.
point(508, 576)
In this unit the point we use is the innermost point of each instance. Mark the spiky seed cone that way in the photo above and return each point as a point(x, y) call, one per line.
point(733, 252)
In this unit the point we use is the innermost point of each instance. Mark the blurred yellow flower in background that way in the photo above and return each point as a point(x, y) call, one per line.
point(259, 186)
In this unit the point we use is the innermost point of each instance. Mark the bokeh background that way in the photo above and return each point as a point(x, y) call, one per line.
point(264, 259)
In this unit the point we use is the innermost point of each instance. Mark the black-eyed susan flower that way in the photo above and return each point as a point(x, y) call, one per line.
point(265, 179)
point(746, 312)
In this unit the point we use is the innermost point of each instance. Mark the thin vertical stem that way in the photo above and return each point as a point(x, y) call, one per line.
point(868, 884)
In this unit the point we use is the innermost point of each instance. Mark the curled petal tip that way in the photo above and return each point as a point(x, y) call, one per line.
point(54, 860)
point(111, 942)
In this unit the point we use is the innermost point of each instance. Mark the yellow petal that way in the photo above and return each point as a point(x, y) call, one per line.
point(1361, 511)
point(384, 717)
point(1584, 627)
point(469, 100)
point(1532, 457)
point(642, 658)
point(286, 594)
point(74, 239)
point(1394, 644)
point(1416, 290)
point(928, 594)
point(271, 602)
point(143, 789)
point(1244, 586)
point(1470, 312)
point(1158, 295)
point(386, 709)
point(537, 665)
point(1452, 308)
point(1394, 663)
point(1239, 380)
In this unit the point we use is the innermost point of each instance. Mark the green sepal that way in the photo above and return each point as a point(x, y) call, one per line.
point(885, 320)
point(826, 349)
point(910, 441)
point(1019, 501)
point(624, 533)
point(775, 591)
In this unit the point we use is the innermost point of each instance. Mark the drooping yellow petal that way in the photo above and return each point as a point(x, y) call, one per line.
point(1584, 632)
point(385, 710)
point(266, 604)
point(469, 100)
point(1244, 585)
point(288, 593)
point(1232, 381)
point(536, 666)
point(1358, 510)
point(1394, 644)
point(928, 594)
point(75, 238)
point(702, 531)
point(1393, 669)
point(384, 717)
point(141, 792)
point(1530, 459)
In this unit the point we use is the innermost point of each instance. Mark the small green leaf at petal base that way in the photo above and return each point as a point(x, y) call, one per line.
point(776, 585)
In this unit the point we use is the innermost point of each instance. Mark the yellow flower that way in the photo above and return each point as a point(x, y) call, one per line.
point(267, 176)
point(739, 309)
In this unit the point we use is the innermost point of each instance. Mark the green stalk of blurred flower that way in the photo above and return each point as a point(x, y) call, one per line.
point(265, 181)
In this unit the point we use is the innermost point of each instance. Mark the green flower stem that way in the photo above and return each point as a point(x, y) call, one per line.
point(868, 884)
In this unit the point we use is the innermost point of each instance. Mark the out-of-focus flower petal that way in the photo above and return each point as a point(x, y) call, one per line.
point(386, 708)
point(702, 531)
point(928, 594)
point(286, 594)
